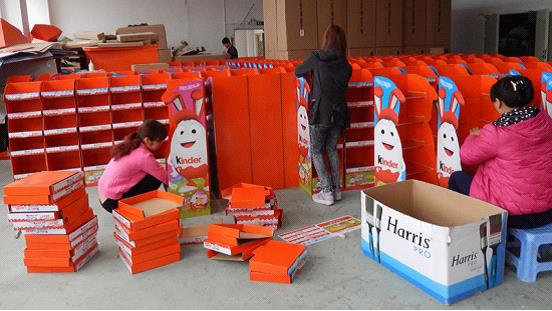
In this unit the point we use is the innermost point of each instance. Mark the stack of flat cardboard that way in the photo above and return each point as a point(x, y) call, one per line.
point(254, 205)
point(164, 52)
point(51, 209)
point(277, 262)
point(235, 242)
point(147, 230)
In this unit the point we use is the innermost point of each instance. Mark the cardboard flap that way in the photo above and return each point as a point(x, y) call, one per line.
point(151, 203)
point(248, 197)
point(432, 204)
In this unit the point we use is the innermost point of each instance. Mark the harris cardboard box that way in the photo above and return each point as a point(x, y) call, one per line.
point(449, 245)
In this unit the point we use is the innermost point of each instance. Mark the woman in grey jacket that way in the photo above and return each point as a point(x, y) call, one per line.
point(328, 114)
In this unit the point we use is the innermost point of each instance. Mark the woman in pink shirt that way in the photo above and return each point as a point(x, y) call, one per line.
point(514, 157)
point(133, 169)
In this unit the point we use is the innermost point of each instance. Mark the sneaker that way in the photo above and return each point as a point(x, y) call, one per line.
point(337, 195)
point(323, 197)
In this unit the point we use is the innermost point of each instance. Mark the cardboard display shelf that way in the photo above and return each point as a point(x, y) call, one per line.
point(148, 210)
point(277, 262)
point(253, 205)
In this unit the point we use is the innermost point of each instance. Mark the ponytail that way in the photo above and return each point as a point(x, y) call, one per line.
point(151, 129)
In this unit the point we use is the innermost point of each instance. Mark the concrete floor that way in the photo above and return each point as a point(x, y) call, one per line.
point(336, 275)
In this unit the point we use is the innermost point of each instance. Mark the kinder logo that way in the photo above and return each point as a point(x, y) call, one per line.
point(418, 239)
point(388, 163)
point(190, 160)
point(445, 168)
point(457, 260)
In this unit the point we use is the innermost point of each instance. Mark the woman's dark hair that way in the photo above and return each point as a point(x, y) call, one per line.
point(335, 38)
point(513, 91)
point(151, 129)
point(225, 40)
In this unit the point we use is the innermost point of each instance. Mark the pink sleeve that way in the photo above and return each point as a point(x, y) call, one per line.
point(152, 167)
point(479, 149)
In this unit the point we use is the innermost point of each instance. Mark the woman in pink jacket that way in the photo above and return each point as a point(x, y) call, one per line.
point(514, 155)
point(133, 169)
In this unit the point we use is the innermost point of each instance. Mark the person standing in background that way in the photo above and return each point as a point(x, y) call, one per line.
point(328, 112)
point(231, 52)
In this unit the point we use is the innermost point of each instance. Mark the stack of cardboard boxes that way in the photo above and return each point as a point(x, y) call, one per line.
point(147, 230)
point(294, 28)
point(254, 205)
point(52, 211)
point(235, 242)
point(165, 54)
point(277, 262)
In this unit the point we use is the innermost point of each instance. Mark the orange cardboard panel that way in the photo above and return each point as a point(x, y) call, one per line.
point(233, 136)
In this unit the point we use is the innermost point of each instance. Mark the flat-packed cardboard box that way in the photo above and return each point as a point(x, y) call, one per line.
point(361, 23)
point(43, 183)
point(277, 262)
point(438, 25)
point(44, 199)
point(138, 36)
point(330, 12)
point(414, 22)
point(449, 245)
point(233, 240)
point(293, 55)
point(361, 52)
point(270, 27)
point(159, 29)
point(165, 55)
point(81, 262)
point(389, 23)
point(172, 227)
point(54, 207)
point(138, 67)
point(147, 210)
point(297, 25)
point(148, 265)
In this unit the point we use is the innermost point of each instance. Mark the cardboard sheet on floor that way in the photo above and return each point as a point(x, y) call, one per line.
point(325, 230)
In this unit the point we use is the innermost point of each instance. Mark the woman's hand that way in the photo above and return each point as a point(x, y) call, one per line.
point(475, 131)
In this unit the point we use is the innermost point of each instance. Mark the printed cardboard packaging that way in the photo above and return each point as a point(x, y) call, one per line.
point(43, 183)
point(449, 245)
point(233, 240)
point(172, 227)
point(187, 161)
point(62, 239)
point(277, 262)
point(148, 210)
point(72, 268)
point(45, 199)
point(148, 265)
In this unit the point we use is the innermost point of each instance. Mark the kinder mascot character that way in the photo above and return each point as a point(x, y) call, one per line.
point(448, 147)
point(389, 161)
point(303, 134)
point(188, 161)
point(546, 93)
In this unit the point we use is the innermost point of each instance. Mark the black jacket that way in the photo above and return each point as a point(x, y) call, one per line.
point(330, 77)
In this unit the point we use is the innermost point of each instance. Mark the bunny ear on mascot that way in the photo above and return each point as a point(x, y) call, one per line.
point(388, 155)
point(448, 147)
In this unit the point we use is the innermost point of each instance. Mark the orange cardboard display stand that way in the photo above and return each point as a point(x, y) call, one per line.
point(116, 59)
point(10, 35)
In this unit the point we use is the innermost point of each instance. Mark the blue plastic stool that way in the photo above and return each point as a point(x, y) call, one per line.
point(526, 264)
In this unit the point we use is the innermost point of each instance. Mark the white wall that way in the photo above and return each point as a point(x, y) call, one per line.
point(38, 13)
point(11, 12)
point(468, 22)
point(200, 22)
